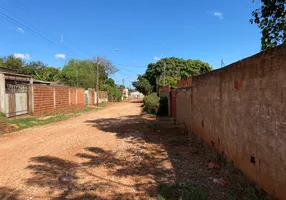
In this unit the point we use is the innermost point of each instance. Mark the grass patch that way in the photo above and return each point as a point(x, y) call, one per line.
point(27, 122)
point(180, 192)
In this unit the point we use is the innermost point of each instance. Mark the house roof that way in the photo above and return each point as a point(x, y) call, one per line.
point(22, 77)
point(2, 69)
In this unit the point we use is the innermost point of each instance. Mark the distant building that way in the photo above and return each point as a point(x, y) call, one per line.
point(125, 93)
point(136, 95)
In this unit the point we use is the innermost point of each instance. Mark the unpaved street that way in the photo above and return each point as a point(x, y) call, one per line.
point(33, 161)
point(111, 154)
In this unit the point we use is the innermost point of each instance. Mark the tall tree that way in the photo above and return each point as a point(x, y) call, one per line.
point(11, 62)
point(79, 73)
point(173, 69)
point(40, 71)
point(143, 85)
point(83, 73)
point(271, 19)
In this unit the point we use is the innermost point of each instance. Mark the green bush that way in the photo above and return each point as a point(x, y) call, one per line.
point(151, 103)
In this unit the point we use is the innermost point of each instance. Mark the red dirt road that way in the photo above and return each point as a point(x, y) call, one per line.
point(112, 154)
point(33, 161)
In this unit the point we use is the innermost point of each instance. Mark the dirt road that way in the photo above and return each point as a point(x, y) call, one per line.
point(33, 161)
point(111, 154)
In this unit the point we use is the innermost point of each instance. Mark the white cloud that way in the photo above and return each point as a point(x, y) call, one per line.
point(218, 14)
point(19, 29)
point(60, 56)
point(22, 56)
point(157, 58)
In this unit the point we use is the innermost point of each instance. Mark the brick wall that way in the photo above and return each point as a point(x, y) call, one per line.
point(241, 110)
point(73, 94)
point(80, 97)
point(62, 97)
point(43, 99)
point(49, 99)
point(91, 96)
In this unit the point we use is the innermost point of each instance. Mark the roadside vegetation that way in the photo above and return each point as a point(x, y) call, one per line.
point(168, 71)
point(75, 73)
point(13, 124)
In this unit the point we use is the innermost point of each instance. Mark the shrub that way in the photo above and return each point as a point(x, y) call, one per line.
point(151, 103)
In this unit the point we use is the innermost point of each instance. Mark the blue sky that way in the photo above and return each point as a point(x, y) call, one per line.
point(143, 31)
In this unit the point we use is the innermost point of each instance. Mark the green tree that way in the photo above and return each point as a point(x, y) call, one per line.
point(2, 63)
point(11, 62)
point(83, 73)
point(173, 69)
point(143, 85)
point(79, 73)
point(169, 80)
point(271, 19)
point(194, 68)
point(40, 71)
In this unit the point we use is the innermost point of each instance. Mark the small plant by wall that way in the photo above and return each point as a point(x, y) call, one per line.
point(151, 103)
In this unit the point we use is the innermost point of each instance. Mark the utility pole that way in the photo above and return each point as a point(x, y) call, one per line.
point(222, 63)
point(164, 73)
point(76, 73)
point(123, 82)
point(97, 81)
point(76, 76)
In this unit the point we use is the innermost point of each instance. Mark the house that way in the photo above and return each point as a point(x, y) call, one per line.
point(14, 92)
point(136, 95)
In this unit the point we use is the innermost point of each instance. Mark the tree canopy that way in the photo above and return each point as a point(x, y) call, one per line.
point(175, 69)
point(83, 73)
point(271, 19)
point(75, 73)
point(36, 70)
point(10, 62)
point(143, 85)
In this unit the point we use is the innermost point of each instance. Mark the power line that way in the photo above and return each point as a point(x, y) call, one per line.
point(50, 27)
point(29, 29)
point(45, 36)
point(37, 18)
point(35, 31)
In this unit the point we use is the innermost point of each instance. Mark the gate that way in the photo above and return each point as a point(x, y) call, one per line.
point(173, 95)
point(16, 99)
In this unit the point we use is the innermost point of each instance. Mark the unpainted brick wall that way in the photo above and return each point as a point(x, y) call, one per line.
point(91, 96)
point(80, 97)
point(241, 110)
point(48, 99)
point(73, 94)
point(62, 97)
point(43, 99)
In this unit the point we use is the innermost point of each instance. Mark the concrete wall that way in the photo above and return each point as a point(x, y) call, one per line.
point(183, 107)
point(49, 99)
point(103, 97)
point(91, 96)
point(241, 110)
point(2, 93)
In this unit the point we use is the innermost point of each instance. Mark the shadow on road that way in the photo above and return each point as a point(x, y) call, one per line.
point(155, 152)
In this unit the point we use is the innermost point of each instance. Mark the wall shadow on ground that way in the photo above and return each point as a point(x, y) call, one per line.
point(186, 153)
point(157, 152)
